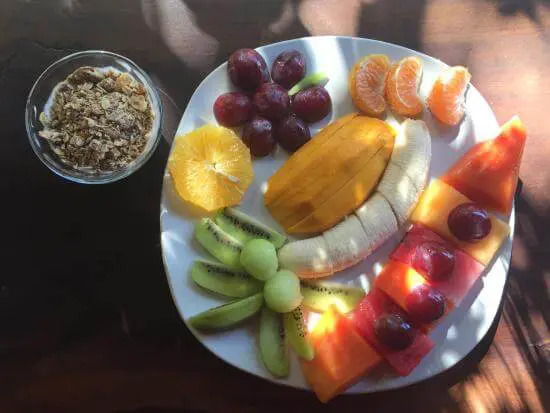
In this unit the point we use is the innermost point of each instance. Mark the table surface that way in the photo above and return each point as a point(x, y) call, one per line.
point(87, 321)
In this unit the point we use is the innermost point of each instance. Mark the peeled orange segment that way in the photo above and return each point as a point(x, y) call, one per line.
point(447, 97)
point(211, 167)
point(402, 87)
point(366, 83)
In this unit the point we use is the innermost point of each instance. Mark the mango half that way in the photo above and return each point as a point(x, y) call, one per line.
point(330, 176)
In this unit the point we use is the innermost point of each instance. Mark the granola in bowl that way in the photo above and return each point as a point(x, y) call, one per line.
point(98, 120)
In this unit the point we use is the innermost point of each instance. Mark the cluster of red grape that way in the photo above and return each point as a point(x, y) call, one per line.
point(266, 110)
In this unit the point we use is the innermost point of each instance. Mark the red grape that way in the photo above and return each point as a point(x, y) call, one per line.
point(292, 133)
point(288, 68)
point(425, 304)
point(312, 104)
point(232, 109)
point(469, 223)
point(434, 260)
point(247, 69)
point(258, 136)
point(271, 101)
point(393, 331)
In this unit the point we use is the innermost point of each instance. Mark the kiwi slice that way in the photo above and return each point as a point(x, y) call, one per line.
point(245, 228)
point(227, 315)
point(318, 296)
point(315, 79)
point(273, 343)
point(296, 331)
point(222, 280)
point(219, 243)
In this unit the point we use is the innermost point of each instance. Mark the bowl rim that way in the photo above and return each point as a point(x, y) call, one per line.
point(116, 175)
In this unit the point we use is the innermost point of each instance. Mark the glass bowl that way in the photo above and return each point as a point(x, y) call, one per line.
point(58, 72)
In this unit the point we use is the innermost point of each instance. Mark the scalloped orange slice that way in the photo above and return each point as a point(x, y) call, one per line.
point(211, 167)
point(366, 83)
point(402, 84)
point(447, 99)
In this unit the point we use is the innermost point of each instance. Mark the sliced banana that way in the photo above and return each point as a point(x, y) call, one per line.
point(405, 176)
point(412, 151)
point(399, 191)
point(377, 219)
point(308, 257)
point(347, 243)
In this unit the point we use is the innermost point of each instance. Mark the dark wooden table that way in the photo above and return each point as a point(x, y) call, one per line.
point(87, 323)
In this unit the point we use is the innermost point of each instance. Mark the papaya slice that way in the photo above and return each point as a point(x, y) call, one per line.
point(342, 357)
point(488, 172)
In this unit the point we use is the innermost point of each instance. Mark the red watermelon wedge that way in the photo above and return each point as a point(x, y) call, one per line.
point(372, 306)
point(466, 273)
point(488, 172)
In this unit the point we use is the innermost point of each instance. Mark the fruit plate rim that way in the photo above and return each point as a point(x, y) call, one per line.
point(504, 254)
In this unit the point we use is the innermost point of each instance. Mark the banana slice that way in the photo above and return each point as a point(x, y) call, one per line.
point(405, 176)
point(308, 258)
point(378, 220)
point(412, 151)
point(347, 243)
point(399, 191)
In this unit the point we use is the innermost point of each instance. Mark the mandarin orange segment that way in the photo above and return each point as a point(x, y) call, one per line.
point(448, 95)
point(402, 84)
point(210, 167)
point(366, 83)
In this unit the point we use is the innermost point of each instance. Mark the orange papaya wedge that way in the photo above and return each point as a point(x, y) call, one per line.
point(488, 172)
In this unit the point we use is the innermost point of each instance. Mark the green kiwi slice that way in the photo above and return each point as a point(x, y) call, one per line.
point(245, 228)
point(219, 243)
point(318, 296)
point(227, 315)
point(296, 331)
point(223, 280)
point(273, 343)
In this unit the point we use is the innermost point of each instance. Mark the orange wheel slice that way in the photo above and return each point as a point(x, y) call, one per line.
point(448, 95)
point(366, 83)
point(211, 167)
point(402, 87)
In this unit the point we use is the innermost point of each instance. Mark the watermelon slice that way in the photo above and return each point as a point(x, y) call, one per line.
point(342, 357)
point(375, 304)
point(488, 172)
point(466, 273)
point(398, 280)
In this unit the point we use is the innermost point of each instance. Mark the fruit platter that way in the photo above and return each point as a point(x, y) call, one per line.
point(337, 214)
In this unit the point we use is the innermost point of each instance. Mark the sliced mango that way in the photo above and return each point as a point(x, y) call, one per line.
point(348, 198)
point(346, 170)
point(305, 157)
point(433, 210)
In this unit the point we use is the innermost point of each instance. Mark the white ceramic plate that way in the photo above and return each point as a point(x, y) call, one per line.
point(458, 333)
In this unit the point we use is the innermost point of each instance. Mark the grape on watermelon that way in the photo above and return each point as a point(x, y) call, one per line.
point(424, 304)
point(375, 305)
point(466, 272)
